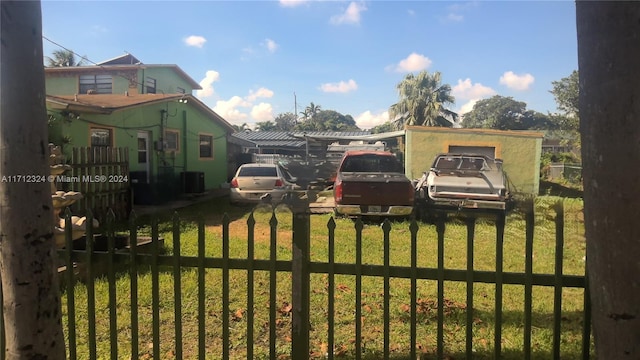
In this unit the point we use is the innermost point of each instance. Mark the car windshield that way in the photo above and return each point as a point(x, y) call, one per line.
point(371, 163)
point(461, 163)
point(258, 171)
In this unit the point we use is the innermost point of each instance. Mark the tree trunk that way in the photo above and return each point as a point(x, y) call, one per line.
point(32, 310)
point(609, 66)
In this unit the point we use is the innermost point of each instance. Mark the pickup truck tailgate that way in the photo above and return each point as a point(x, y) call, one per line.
point(376, 189)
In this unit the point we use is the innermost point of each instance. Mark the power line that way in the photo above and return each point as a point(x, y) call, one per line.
point(69, 50)
point(90, 61)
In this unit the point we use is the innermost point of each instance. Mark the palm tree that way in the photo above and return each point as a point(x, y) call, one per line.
point(305, 115)
point(422, 102)
point(63, 58)
point(312, 110)
point(309, 118)
point(240, 128)
point(266, 126)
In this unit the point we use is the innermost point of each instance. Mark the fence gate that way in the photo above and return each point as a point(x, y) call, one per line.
point(101, 174)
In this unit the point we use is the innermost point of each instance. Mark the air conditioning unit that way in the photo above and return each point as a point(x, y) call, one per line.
point(192, 182)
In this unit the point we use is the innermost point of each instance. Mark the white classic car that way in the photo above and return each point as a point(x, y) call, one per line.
point(463, 182)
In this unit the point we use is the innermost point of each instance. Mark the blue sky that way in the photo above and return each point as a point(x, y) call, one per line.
point(251, 57)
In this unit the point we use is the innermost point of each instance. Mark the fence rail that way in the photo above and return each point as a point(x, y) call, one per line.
point(300, 267)
point(572, 172)
point(102, 176)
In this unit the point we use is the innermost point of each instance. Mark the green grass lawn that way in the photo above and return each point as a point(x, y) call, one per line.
point(372, 289)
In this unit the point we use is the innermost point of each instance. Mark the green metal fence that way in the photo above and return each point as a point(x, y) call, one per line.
point(130, 264)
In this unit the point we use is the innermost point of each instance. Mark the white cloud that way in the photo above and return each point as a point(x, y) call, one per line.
point(239, 110)
point(271, 45)
point(341, 87)
point(228, 109)
point(368, 120)
point(465, 90)
point(262, 112)
point(292, 3)
point(515, 81)
point(413, 62)
point(195, 41)
point(471, 93)
point(207, 84)
point(468, 106)
point(351, 15)
point(260, 93)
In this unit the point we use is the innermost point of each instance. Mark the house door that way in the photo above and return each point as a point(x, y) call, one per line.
point(143, 153)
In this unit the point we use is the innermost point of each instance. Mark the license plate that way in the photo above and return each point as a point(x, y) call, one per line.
point(375, 208)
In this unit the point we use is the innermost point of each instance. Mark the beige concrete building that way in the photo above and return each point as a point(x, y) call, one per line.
point(520, 151)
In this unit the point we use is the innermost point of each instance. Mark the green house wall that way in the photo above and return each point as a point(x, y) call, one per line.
point(520, 151)
point(167, 80)
point(188, 121)
point(131, 80)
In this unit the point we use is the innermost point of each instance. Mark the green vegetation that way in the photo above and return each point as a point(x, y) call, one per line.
point(505, 113)
point(372, 289)
point(422, 101)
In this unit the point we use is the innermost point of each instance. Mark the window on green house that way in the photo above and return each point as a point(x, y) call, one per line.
point(101, 137)
point(206, 146)
point(171, 140)
point(142, 151)
point(150, 85)
point(98, 84)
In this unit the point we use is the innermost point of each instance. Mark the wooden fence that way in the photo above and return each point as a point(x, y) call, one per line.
point(101, 174)
point(268, 331)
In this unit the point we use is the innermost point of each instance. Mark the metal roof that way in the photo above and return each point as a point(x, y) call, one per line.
point(288, 139)
point(294, 135)
point(297, 139)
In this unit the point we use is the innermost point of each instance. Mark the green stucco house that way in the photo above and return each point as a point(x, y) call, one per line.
point(520, 151)
point(175, 142)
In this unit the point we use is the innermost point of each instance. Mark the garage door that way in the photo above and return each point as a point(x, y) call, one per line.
point(483, 150)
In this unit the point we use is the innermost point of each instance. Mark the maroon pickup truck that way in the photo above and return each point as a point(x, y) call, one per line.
point(372, 183)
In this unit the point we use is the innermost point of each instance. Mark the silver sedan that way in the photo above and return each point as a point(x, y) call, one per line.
point(255, 183)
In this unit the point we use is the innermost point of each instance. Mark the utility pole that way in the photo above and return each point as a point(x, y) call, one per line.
point(31, 300)
point(295, 107)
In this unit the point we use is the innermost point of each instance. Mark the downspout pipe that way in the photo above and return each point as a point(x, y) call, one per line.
point(184, 140)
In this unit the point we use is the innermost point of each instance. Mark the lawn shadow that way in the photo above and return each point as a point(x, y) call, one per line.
point(431, 354)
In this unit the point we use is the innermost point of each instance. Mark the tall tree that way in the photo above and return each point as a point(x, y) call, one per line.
point(382, 128)
point(328, 120)
point(423, 101)
point(31, 298)
point(305, 115)
point(608, 60)
point(61, 58)
point(265, 126)
point(505, 113)
point(312, 110)
point(566, 93)
point(309, 115)
point(239, 128)
point(285, 121)
point(334, 121)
